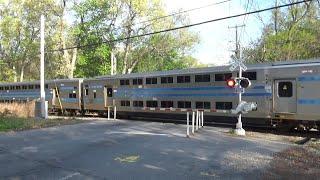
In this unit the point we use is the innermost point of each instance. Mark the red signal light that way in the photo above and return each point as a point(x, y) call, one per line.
point(231, 83)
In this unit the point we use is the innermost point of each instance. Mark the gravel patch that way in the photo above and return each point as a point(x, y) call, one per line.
point(243, 161)
point(294, 163)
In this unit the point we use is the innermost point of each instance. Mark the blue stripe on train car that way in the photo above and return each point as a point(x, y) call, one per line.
point(201, 95)
point(308, 78)
point(154, 92)
point(97, 100)
point(205, 88)
point(309, 101)
point(70, 100)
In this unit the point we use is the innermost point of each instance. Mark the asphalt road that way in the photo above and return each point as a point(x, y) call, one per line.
point(132, 150)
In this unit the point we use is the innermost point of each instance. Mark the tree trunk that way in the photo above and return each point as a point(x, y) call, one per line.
point(125, 59)
point(130, 69)
point(22, 73)
point(15, 78)
point(73, 63)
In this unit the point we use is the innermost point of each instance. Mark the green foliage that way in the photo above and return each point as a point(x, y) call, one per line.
point(121, 19)
point(96, 21)
point(297, 37)
point(20, 37)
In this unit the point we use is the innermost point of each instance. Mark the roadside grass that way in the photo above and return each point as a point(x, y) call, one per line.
point(20, 124)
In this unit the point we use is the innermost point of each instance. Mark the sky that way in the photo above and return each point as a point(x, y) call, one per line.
point(217, 40)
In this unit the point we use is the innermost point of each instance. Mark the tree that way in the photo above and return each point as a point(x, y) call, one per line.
point(19, 35)
point(95, 24)
point(296, 37)
point(104, 21)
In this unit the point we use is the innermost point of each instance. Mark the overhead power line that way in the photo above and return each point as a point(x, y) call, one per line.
point(182, 12)
point(182, 27)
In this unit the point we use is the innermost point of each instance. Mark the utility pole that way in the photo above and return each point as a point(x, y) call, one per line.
point(44, 113)
point(237, 50)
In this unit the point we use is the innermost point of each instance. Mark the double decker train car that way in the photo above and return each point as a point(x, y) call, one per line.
point(61, 94)
point(286, 94)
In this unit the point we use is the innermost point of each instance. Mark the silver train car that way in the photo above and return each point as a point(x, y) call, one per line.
point(61, 94)
point(286, 93)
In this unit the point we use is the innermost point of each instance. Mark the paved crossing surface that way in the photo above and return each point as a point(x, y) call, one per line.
point(132, 150)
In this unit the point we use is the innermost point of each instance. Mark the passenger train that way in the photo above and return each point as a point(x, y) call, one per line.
point(286, 94)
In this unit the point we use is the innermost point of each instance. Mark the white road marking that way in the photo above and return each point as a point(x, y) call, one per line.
point(137, 133)
point(70, 176)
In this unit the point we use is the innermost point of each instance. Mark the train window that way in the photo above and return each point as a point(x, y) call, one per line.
point(137, 81)
point(73, 95)
point(94, 94)
point(184, 104)
point(165, 80)
point(11, 87)
point(124, 82)
point(37, 86)
point(1, 88)
point(30, 87)
point(18, 87)
point(75, 87)
point(202, 78)
point(86, 92)
point(224, 105)
point(151, 80)
point(285, 89)
point(166, 104)
point(152, 103)
point(47, 86)
point(138, 103)
point(6, 88)
point(125, 103)
point(109, 92)
point(249, 75)
point(183, 79)
point(222, 77)
point(24, 87)
point(203, 105)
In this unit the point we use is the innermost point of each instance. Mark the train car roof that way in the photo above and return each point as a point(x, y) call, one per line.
point(225, 68)
point(37, 82)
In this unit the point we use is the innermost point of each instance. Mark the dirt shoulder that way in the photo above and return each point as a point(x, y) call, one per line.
point(299, 161)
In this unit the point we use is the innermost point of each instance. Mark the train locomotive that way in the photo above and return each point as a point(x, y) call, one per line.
point(286, 94)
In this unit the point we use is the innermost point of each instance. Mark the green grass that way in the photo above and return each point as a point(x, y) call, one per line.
point(19, 124)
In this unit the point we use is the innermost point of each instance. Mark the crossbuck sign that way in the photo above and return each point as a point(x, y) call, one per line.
point(237, 63)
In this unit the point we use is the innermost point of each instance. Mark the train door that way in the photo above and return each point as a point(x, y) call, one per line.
point(108, 93)
point(285, 96)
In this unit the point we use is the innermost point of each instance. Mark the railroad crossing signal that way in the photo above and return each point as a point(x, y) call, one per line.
point(237, 63)
point(241, 83)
